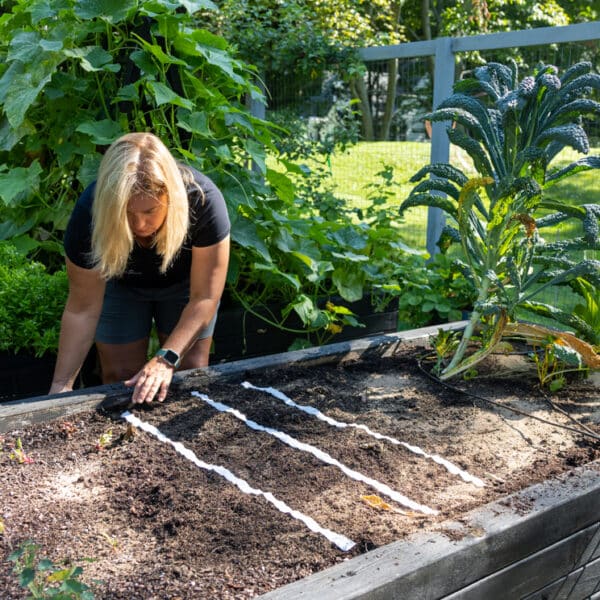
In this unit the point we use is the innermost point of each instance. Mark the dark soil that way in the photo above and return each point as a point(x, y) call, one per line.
point(157, 526)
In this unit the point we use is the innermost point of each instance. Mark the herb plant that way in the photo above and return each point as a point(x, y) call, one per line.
point(31, 303)
point(512, 131)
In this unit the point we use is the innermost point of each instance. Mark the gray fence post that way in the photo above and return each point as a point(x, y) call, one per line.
point(443, 80)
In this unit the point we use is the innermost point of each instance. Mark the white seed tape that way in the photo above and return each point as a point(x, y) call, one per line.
point(452, 468)
point(342, 542)
point(320, 454)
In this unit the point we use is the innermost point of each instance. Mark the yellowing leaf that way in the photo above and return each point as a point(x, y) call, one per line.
point(376, 502)
point(538, 333)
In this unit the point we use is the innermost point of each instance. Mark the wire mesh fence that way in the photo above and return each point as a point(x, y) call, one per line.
point(400, 138)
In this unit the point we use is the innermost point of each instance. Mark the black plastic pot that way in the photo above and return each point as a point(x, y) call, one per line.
point(241, 334)
point(23, 375)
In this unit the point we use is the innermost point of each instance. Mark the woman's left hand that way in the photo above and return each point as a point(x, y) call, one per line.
point(153, 380)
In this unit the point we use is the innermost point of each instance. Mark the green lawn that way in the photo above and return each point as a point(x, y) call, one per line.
point(350, 173)
point(352, 170)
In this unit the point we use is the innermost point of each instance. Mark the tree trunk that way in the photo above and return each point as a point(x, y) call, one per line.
point(359, 90)
point(426, 21)
point(390, 100)
point(392, 69)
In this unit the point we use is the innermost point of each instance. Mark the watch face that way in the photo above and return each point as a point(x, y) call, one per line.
point(171, 357)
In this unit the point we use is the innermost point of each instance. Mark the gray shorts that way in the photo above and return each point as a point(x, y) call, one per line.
point(128, 312)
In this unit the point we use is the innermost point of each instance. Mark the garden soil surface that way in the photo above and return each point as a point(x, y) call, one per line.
point(157, 526)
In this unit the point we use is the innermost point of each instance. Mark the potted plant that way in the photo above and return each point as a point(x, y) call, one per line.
point(513, 130)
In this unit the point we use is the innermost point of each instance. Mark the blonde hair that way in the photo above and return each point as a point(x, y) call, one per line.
point(137, 163)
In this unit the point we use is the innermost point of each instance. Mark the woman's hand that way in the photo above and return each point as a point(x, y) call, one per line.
point(153, 380)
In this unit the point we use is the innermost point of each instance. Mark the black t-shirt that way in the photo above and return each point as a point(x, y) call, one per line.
point(209, 224)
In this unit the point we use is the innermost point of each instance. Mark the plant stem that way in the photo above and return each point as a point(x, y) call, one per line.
point(469, 329)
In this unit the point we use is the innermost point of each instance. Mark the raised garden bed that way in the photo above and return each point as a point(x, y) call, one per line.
point(160, 526)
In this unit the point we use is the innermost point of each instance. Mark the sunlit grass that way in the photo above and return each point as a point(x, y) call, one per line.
point(350, 173)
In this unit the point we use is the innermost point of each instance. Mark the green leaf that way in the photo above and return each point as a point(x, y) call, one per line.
point(349, 285)
point(103, 132)
point(351, 256)
point(10, 136)
point(50, 46)
point(112, 11)
point(165, 95)
point(195, 122)
point(158, 53)
point(257, 152)
point(26, 577)
point(223, 152)
point(236, 117)
point(216, 57)
point(128, 93)
point(24, 244)
point(305, 259)
point(244, 232)
point(474, 149)
point(568, 355)
point(349, 237)
point(308, 312)
point(45, 564)
point(143, 60)
point(281, 185)
point(193, 6)
point(18, 181)
point(24, 46)
point(444, 170)
point(434, 200)
point(437, 185)
point(6, 81)
point(568, 135)
point(22, 94)
point(272, 269)
point(73, 586)
point(93, 58)
point(9, 229)
point(583, 164)
point(208, 38)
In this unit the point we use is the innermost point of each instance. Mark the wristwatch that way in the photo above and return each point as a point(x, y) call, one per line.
point(170, 357)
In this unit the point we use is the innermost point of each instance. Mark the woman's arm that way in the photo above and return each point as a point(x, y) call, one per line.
point(207, 281)
point(78, 324)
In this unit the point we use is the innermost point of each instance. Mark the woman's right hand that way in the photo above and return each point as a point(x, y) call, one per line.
point(153, 380)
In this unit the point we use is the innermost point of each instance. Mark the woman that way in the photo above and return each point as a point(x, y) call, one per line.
point(148, 241)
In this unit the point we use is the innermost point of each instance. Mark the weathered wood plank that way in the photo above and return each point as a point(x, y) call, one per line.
point(525, 578)
point(22, 413)
point(578, 585)
point(584, 583)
